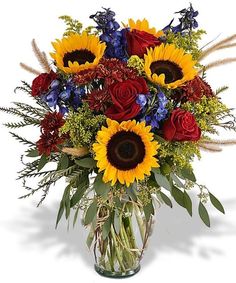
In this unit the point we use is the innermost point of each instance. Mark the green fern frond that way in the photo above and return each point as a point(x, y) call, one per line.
point(221, 89)
point(29, 110)
point(22, 140)
point(17, 125)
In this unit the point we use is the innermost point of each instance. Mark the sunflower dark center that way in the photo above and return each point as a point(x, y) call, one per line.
point(81, 56)
point(171, 70)
point(125, 150)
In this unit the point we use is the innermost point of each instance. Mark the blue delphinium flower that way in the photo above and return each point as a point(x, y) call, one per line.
point(64, 94)
point(187, 21)
point(157, 112)
point(113, 37)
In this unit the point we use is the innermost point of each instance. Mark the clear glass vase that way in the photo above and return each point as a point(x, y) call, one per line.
point(119, 254)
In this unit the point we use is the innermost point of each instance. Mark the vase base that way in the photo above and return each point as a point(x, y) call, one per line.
point(112, 274)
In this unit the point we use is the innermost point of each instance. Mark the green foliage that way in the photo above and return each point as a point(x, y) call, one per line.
point(148, 210)
point(100, 187)
point(136, 63)
point(181, 154)
point(91, 213)
point(208, 113)
point(82, 126)
point(166, 199)
point(204, 214)
point(75, 26)
point(216, 203)
point(72, 26)
point(87, 162)
point(162, 180)
point(188, 43)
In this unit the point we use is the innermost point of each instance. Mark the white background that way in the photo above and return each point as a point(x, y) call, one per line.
point(181, 249)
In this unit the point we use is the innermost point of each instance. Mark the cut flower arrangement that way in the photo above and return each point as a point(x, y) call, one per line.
point(122, 110)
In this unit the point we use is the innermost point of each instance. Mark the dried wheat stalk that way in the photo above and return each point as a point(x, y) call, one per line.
point(30, 69)
point(41, 56)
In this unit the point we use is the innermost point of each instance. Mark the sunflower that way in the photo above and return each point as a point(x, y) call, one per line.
point(125, 151)
point(143, 25)
point(77, 52)
point(169, 66)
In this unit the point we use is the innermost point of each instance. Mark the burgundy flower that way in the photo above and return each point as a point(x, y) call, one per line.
point(181, 126)
point(195, 89)
point(98, 99)
point(52, 121)
point(48, 143)
point(124, 95)
point(109, 71)
point(41, 83)
point(138, 42)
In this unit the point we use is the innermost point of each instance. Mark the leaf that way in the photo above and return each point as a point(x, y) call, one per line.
point(100, 187)
point(63, 162)
point(90, 237)
point(87, 162)
point(76, 216)
point(148, 210)
point(177, 180)
point(62, 204)
point(82, 187)
point(90, 213)
point(106, 228)
point(67, 205)
point(131, 192)
point(188, 203)
point(188, 174)
point(33, 153)
point(117, 222)
point(165, 169)
point(166, 199)
point(42, 162)
point(204, 214)
point(117, 202)
point(216, 203)
point(162, 181)
point(178, 195)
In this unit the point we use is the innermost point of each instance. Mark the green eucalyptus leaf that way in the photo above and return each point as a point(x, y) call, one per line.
point(63, 204)
point(76, 216)
point(204, 214)
point(33, 153)
point(81, 188)
point(117, 202)
point(178, 195)
point(106, 227)
point(117, 222)
point(90, 213)
point(216, 203)
point(87, 162)
point(148, 210)
point(162, 181)
point(42, 162)
point(131, 191)
point(63, 162)
point(90, 237)
point(188, 203)
point(101, 188)
point(166, 199)
point(177, 180)
point(188, 174)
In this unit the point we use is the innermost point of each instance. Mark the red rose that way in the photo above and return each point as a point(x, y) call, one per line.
point(181, 126)
point(123, 96)
point(138, 42)
point(42, 82)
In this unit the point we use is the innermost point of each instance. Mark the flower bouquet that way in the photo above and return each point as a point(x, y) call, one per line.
point(121, 113)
